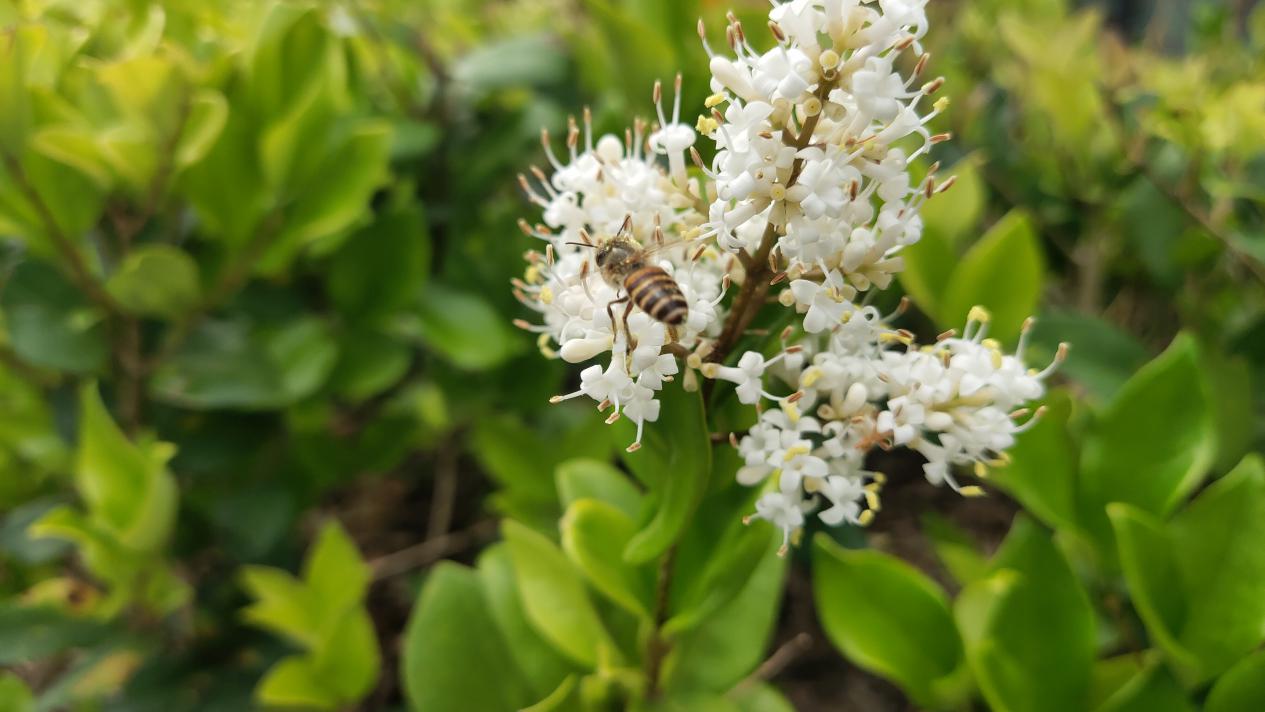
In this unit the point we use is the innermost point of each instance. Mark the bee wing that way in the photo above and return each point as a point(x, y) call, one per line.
point(673, 243)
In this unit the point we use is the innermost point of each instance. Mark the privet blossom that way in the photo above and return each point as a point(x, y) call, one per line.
point(809, 197)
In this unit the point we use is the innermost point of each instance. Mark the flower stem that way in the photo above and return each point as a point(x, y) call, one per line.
point(658, 647)
point(756, 285)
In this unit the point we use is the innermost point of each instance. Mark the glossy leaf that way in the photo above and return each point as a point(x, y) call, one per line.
point(1199, 581)
point(1151, 690)
point(324, 613)
point(675, 455)
point(127, 488)
point(955, 549)
point(1102, 357)
point(1150, 567)
point(15, 696)
point(49, 322)
point(1037, 642)
point(463, 328)
point(594, 535)
point(452, 644)
point(1003, 272)
point(1042, 469)
point(156, 280)
point(1153, 443)
point(890, 619)
point(382, 267)
point(540, 664)
point(1216, 543)
point(591, 479)
point(928, 269)
point(717, 654)
point(554, 596)
point(1242, 687)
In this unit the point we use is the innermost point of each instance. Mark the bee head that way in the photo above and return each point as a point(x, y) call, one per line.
point(614, 252)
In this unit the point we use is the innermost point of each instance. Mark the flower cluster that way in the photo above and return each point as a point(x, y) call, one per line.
point(608, 187)
point(809, 191)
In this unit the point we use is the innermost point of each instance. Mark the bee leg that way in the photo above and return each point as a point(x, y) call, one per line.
point(610, 314)
point(632, 343)
point(672, 335)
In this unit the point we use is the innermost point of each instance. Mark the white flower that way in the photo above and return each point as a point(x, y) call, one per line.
point(816, 140)
point(786, 512)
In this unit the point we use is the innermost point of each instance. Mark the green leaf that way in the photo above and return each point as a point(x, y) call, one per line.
point(1153, 443)
point(562, 698)
point(295, 682)
point(531, 60)
point(16, 50)
point(1233, 412)
point(955, 549)
point(1242, 687)
point(305, 353)
point(1152, 690)
point(1102, 358)
point(369, 362)
point(348, 663)
point(127, 488)
point(452, 644)
point(334, 572)
point(890, 619)
point(761, 697)
point(956, 213)
point(1150, 568)
point(523, 459)
point(1042, 469)
point(554, 597)
point(928, 269)
point(1004, 272)
point(1036, 645)
point(462, 328)
point(730, 560)
point(594, 535)
point(208, 113)
point(235, 364)
point(49, 323)
point(726, 646)
point(591, 479)
point(324, 613)
point(15, 696)
point(1217, 545)
point(380, 268)
point(29, 634)
point(335, 198)
point(156, 280)
point(676, 457)
point(226, 187)
point(540, 664)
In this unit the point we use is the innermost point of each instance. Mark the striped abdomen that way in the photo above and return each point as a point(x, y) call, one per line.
point(657, 294)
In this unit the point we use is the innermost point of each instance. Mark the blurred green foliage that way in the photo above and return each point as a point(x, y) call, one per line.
point(254, 260)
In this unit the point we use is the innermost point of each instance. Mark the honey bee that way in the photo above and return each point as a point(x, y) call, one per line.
point(623, 264)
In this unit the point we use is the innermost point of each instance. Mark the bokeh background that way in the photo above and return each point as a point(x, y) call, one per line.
point(279, 237)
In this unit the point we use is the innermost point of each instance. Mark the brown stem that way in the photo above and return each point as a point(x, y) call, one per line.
point(79, 270)
point(443, 493)
point(431, 550)
point(131, 377)
point(778, 661)
point(658, 647)
point(751, 295)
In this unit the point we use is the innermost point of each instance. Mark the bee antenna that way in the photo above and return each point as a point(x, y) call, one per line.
point(581, 244)
point(627, 226)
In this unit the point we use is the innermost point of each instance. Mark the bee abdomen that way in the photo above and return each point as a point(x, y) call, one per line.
point(657, 294)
